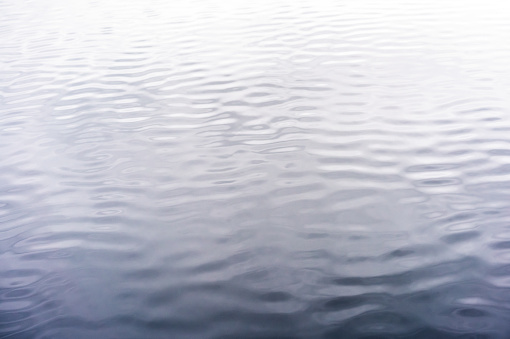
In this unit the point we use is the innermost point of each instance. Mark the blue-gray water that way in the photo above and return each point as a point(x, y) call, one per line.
point(254, 169)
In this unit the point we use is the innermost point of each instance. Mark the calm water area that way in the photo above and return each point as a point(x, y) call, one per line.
point(254, 169)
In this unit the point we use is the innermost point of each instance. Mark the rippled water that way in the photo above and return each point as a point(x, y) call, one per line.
point(254, 169)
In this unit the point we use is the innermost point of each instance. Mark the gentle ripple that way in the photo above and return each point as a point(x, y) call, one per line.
point(254, 169)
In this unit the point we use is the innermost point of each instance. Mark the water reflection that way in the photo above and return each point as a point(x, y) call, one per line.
point(254, 169)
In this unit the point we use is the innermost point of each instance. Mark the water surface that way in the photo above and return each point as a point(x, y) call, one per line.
point(254, 169)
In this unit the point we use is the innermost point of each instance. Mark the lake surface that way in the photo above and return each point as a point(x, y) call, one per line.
point(254, 169)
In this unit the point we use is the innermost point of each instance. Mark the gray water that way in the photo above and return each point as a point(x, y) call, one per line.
point(254, 169)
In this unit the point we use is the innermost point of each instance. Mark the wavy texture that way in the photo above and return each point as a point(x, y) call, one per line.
point(264, 169)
